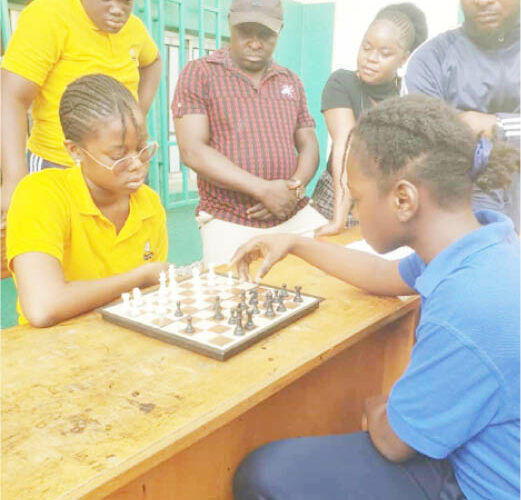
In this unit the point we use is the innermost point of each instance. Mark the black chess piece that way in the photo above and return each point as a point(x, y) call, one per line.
point(233, 317)
point(243, 295)
point(254, 295)
point(281, 307)
point(178, 313)
point(268, 298)
point(298, 296)
point(284, 292)
point(218, 309)
point(270, 313)
point(255, 306)
point(189, 327)
point(249, 323)
point(239, 330)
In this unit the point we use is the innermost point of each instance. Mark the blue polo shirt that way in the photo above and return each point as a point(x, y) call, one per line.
point(459, 397)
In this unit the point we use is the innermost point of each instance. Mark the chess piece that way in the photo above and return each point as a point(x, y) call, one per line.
point(254, 305)
point(270, 313)
point(189, 327)
point(249, 323)
point(172, 282)
point(229, 281)
point(161, 309)
point(239, 330)
point(162, 280)
point(211, 274)
point(125, 297)
point(149, 304)
point(137, 296)
point(178, 313)
point(254, 295)
point(284, 292)
point(233, 317)
point(281, 307)
point(298, 296)
point(218, 309)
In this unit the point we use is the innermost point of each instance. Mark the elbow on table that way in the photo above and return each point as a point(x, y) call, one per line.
point(40, 315)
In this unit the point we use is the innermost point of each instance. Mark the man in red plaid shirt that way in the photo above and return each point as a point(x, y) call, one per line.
point(243, 125)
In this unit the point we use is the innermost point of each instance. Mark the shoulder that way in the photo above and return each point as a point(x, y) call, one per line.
point(437, 47)
point(344, 76)
point(135, 25)
point(50, 179)
point(52, 12)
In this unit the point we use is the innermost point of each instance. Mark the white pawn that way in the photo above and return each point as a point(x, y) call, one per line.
point(230, 278)
point(211, 274)
point(125, 297)
point(162, 280)
point(172, 282)
point(137, 297)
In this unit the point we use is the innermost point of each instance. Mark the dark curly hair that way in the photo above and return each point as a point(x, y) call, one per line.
point(92, 98)
point(410, 21)
point(423, 139)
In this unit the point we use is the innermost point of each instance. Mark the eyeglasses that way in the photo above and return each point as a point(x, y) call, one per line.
point(144, 156)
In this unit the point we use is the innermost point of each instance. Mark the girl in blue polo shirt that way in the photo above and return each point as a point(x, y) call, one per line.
point(449, 429)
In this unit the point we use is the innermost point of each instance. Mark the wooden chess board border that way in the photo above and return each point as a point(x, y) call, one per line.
point(192, 345)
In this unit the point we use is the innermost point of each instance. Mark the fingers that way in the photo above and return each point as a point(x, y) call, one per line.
point(264, 268)
point(263, 214)
point(255, 209)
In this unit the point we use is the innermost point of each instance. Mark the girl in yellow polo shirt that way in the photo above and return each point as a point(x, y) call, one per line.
point(78, 238)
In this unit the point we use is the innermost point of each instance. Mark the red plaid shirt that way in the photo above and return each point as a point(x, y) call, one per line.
point(255, 129)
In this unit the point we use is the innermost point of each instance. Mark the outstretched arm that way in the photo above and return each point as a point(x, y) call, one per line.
point(59, 299)
point(365, 271)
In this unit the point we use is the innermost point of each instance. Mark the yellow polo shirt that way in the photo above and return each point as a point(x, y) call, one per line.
point(52, 212)
point(55, 43)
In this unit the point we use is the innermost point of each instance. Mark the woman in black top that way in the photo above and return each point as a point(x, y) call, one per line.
point(394, 33)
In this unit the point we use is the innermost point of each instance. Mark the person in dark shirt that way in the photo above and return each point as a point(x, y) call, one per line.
point(394, 33)
point(476, 69)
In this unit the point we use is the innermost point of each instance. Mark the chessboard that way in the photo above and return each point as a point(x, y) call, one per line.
point(209, 313)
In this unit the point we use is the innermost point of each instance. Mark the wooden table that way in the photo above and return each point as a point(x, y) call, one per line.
point(92, 410)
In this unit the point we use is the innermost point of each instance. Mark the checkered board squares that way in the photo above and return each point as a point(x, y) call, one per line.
point(214, 338)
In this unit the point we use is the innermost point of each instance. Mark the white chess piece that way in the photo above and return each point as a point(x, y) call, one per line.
point(211, 274)
point(149, 304)
point(230, 278)
point(125, 297)
point(172, 282)
point(137, 297)
point(162, 280)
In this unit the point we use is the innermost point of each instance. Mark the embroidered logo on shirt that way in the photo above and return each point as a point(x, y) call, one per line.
point(133, 54)
point(287, 90)
point(147, 254)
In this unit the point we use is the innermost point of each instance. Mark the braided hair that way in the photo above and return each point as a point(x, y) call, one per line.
point(409, 20)
point(422, 139)
point(92, 98)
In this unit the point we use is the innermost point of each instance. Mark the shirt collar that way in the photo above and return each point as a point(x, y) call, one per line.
point(223, 56)
point(141, 207)
point(495, 228)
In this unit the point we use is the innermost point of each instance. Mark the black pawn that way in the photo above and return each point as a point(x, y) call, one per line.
point(189, 328)
point(233, 317)
point(254, 295)
point(268, 298)
point(254, 306)
point(249, 322)
point(284, 292)
point(178, 313)
point(218, 310)
point(239, 330)
point(281, 307)
point(298, 296)
point(270, 313)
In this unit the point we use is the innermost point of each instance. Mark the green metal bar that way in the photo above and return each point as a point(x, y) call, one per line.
point(6, 23)
point(163, 99)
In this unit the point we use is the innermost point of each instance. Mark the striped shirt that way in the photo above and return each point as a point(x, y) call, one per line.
point(254, 128)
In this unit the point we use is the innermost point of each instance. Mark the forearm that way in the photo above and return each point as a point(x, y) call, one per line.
point(382, 435)
point(307, 161)
point(69, 299)
point(13, 145)
point(342, 200)
point(368, 272)
point(149, 78)
point(216, 168)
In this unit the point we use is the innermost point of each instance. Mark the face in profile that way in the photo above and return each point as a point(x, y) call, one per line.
point(486, 17)
point(108, 15)
point(251, 46)
point(380, 54)
point(373, 208)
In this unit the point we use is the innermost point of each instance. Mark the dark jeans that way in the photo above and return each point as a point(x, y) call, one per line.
point(342, 467)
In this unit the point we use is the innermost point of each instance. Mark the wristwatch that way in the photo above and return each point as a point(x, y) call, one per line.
point(300, 190)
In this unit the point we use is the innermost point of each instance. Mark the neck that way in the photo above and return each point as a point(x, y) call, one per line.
point(442, 230)
point(103, 198)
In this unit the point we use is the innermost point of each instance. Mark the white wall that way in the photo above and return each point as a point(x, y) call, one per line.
point(352, 17)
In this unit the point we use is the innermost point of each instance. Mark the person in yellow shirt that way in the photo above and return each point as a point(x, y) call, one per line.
point(57, 41)
point(79, 237)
